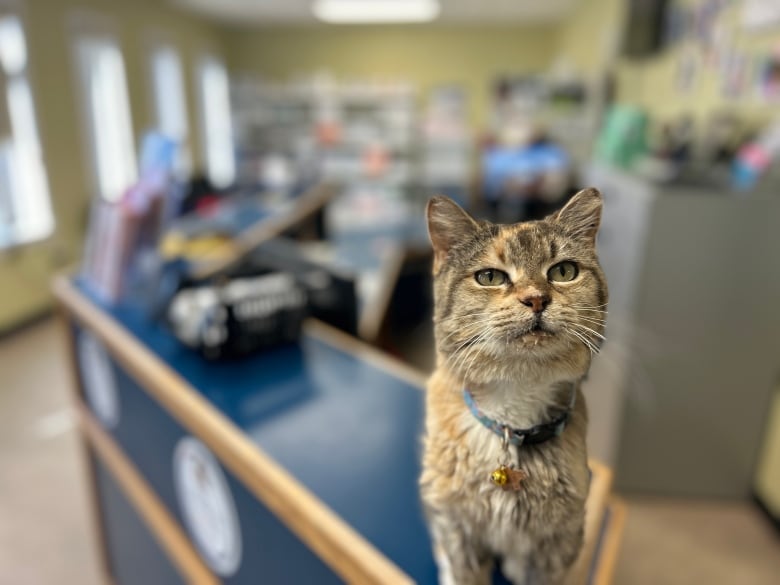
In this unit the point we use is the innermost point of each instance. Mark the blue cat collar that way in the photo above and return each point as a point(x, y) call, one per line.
point(535, 435)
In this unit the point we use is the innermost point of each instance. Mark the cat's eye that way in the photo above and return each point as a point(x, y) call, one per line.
point(491, 277)
point(563, 272)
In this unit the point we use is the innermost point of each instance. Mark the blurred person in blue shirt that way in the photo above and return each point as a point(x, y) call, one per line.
point(524, 175)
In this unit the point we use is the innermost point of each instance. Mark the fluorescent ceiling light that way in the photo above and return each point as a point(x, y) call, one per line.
point(375, 11)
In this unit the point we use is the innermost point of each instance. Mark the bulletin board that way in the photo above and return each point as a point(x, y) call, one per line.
point(726, 48)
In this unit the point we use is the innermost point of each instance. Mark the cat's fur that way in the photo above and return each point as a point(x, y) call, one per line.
point(516, 378)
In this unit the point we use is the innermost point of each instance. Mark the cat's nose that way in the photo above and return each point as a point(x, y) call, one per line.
point(536, 302)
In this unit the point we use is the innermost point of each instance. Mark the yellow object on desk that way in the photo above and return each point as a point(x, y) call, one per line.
point(177, 245)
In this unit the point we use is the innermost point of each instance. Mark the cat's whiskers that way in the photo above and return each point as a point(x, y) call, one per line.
point(593, 316)
point(471, 364)
point(585, 313)
point(482, 326)
point(590, 335)
point(589, 330)
point(461, 330)
point(477, 326)
point(599, 322)
point(459, 318)
point(574, 335)
point(461, 353)
point(475, 357)
point(467, 355)
point(457, 353)
point(448, 336)
point(492, 312)
point(599, 318)
point(586, 342)
point(475, 341)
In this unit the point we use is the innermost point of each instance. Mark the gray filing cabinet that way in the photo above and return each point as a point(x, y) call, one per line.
point(679, 396)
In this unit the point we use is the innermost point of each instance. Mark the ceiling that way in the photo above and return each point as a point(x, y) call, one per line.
point(260, 12)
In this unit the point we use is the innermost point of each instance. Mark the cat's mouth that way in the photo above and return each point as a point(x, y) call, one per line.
point(536, 331)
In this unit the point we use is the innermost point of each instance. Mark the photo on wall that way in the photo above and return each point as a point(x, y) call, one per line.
point(769, 77)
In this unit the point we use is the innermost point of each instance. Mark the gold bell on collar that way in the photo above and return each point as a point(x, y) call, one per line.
point(507, 478)
point(500, 477)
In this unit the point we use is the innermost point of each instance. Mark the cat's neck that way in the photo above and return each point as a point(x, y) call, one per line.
point(522, 404)
point(520, 393)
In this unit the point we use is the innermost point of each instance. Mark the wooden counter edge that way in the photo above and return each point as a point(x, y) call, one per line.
point(98, 532)
point(158, 519)
point(610, 545)
point(351, 345)
point(372, 315)
point(338, 544)
point(595, 506)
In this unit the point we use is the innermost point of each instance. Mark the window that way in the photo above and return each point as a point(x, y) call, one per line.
point(25, 204)
point(214, 98)
point(169, 101)
point(109, 125)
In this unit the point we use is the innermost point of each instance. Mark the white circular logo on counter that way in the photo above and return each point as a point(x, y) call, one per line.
point(207, 506)
point(98, 380)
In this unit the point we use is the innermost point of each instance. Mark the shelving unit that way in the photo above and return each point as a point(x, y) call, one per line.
point(362, 132)
point(447, 145)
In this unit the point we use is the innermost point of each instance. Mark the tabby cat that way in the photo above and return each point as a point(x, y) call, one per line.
point(519, 312)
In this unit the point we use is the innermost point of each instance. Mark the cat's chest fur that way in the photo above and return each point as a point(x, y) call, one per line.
point(461, 454)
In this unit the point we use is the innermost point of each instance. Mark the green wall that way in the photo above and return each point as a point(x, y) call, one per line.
point(423, 55)
point(25, 271)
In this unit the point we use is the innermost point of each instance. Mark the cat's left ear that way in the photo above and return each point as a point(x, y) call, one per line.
point(447, 225)
point(581, 216)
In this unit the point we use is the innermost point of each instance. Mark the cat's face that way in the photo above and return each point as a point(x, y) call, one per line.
point(512, 295)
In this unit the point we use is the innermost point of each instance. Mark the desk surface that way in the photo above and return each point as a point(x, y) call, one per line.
point(345, 428)
point(325, 416)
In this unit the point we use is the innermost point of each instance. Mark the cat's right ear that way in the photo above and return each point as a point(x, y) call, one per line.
point(447, 225)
